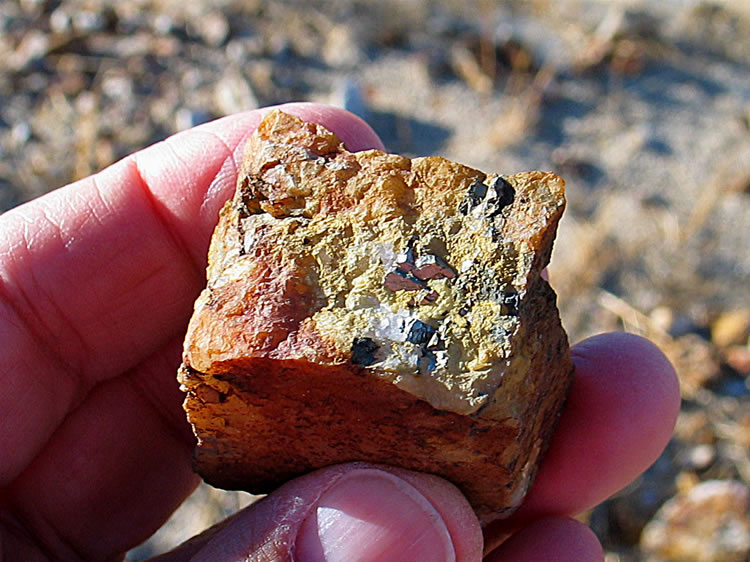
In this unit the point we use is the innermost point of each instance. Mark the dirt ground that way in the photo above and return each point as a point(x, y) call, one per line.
point(643, 107)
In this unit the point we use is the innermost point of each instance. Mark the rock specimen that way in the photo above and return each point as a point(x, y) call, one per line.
point(364, 306)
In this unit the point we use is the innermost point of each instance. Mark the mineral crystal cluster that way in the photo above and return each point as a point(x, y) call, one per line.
point(367, 307)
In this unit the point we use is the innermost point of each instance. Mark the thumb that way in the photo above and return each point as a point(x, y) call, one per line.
point(354, 511)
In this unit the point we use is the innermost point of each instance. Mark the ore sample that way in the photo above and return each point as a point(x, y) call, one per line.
point(351, 313)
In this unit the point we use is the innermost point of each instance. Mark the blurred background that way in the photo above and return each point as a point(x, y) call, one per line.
point(642, 106)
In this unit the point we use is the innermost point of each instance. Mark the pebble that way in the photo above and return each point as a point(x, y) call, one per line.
point(117, 85)
point(710, 521)
point(162, 24)
point(33, 46)
point(59, 20)
point(20, 133)
point(696, 362)
point(738, 358)
point(701, 456)
point(731, 328)
point(88, 21)
point(233, 94)
point(213, 28)
point(341, 49)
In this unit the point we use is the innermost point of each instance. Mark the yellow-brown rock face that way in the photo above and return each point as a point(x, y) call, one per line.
point(364, 306)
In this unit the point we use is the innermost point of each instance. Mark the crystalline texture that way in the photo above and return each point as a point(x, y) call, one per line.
point(364, 306)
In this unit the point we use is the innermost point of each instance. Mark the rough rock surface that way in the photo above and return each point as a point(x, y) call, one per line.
point(364, 306)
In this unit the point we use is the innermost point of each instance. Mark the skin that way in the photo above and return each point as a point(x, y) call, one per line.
point(97, 281)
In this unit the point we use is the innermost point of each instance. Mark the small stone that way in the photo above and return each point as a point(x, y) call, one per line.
point(701, 456)
point(213, 28)
point(117, 85)
point(738, 358)
point(341, 49)
point(32, 47)
point(697, 363)
point(186, 118)
point(163, 24)
point(59, 20)
point(731, 328)
point(694, 427)
point(20, 133)
point(709, 521)
point(88, 20)
point(662, 318)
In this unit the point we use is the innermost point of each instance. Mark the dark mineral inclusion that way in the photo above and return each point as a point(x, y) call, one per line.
point(363, 351)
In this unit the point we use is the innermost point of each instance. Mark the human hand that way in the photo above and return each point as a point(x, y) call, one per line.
point(97, 281)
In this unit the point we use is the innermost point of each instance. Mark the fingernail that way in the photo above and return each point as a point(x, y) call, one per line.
point(370, 514)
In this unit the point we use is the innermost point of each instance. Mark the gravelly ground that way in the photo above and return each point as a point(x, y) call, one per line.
point(644, 108)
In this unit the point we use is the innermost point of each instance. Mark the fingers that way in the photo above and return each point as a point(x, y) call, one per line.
point(96, 276)
point(617, 420)
point(349, 512)
point(112, 472)
point(552, 538)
